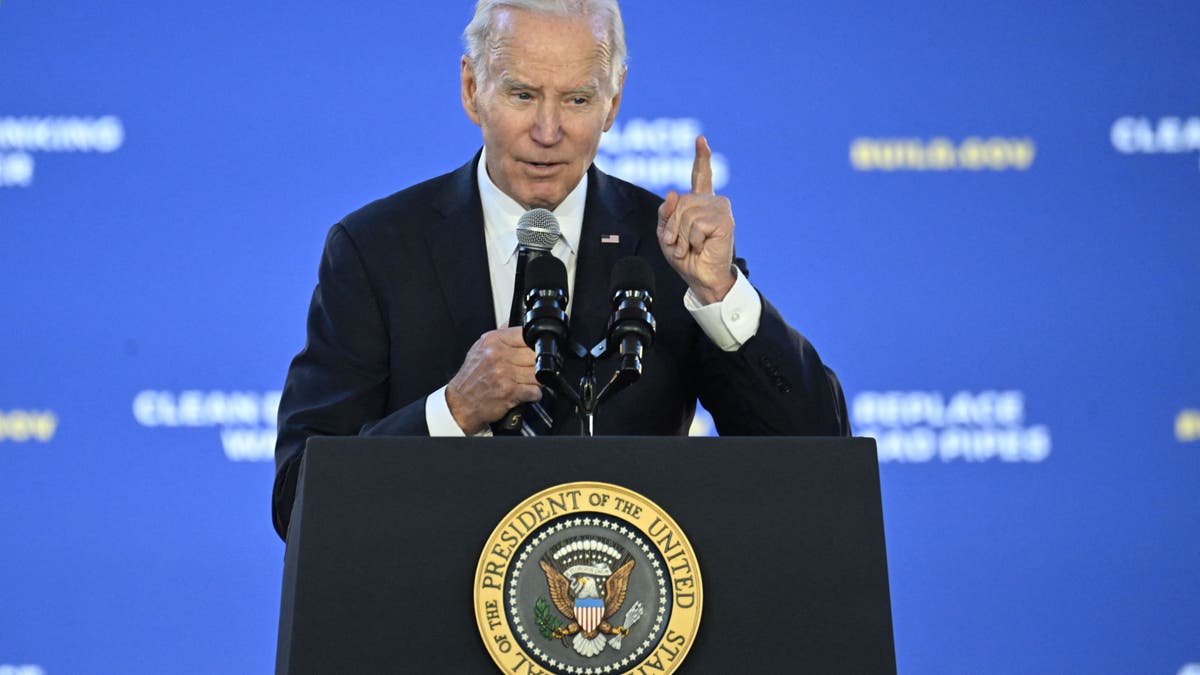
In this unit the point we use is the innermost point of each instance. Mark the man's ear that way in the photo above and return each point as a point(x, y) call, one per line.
point(616, 101)
point(470, 91)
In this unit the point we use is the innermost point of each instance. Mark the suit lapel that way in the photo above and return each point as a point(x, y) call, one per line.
point(605, 217)
point(457, 247)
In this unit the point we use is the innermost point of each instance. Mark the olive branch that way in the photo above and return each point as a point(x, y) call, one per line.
point(546, 621)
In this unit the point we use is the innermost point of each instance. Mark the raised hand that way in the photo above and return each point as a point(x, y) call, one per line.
point(695, 232)
point(496, 375)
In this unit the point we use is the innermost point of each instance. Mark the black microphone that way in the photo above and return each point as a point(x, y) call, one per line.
point(545, 328)
point(631, 327)
point(537, 232)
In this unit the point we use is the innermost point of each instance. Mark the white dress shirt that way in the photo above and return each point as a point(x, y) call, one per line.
point(729, 323)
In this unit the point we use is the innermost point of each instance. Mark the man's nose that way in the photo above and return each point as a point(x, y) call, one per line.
point(547, 127)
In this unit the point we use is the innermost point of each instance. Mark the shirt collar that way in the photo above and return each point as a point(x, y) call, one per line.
point(501, 213)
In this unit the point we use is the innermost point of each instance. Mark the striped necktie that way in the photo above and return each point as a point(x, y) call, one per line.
point(537, 420)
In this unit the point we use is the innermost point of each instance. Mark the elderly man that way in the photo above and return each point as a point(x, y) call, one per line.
point(407, 329)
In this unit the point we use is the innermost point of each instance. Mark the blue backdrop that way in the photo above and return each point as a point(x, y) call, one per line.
point(984, 216)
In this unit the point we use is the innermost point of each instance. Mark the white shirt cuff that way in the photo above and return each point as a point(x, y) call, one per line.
point(438, 417)
point(440, 421)
point(733, 321)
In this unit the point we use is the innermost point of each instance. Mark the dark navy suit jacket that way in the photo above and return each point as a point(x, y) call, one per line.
point(404, 291)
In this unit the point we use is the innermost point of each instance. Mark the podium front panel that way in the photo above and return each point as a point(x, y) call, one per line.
point(387, 533)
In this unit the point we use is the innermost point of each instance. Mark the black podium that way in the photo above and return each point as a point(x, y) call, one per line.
point(387, 532)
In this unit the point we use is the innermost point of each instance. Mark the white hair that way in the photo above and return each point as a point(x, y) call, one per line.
point(478, 35)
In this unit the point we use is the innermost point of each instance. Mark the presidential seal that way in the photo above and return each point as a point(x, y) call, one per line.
point(587, 579)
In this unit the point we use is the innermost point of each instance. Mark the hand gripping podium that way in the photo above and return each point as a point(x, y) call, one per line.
point(387, 536)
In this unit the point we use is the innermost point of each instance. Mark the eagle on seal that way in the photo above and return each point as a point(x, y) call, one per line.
point(588, 609)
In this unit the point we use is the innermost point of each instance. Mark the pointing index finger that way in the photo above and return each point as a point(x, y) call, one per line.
point(702, 168)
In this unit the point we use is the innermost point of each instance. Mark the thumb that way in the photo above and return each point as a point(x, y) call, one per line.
point(666, 234)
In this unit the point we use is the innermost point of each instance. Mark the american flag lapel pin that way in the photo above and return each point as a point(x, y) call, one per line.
point(610, 239)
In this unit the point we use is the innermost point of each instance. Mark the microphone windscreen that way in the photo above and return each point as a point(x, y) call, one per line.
point(631, 274)
point(538, 229)
point(545, 273)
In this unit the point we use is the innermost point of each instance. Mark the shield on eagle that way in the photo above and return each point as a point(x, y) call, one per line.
point(589, 612)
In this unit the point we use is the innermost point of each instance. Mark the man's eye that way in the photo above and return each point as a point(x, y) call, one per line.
point(523, 96)
point(579, 100)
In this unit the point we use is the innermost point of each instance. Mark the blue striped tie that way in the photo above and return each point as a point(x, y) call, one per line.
point(537, 420)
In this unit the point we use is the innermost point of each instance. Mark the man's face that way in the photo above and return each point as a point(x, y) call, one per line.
point(543, 103)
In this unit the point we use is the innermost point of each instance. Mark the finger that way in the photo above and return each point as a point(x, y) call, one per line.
point(699, 233)
point(688, 215)
point(528, 393)
point(525, 377)
point(683, 228)
point(666, 210)
point(515, 351)
point(702, 168)
point(708, 221)
point(512, 337)
point(521, 357)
